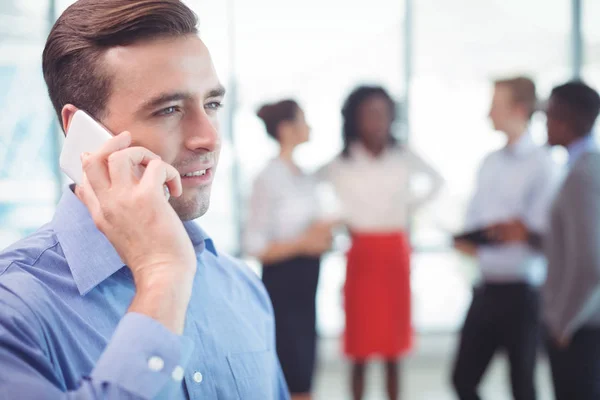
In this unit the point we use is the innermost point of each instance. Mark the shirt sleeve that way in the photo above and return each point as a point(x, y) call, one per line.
point(581, 285)
point(141, 361)
point(537, 212)
point(257, 233)
point(282, 390)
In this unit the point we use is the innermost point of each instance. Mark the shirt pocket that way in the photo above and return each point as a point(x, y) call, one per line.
point(254, 374)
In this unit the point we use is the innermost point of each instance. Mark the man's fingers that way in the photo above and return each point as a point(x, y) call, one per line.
point(126, 166)
point(159, 173)
point(95, 165)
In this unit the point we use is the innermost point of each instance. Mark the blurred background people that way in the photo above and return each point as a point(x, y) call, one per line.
point(510, 205)
point(372, 178)
point(572, 292)
point(284, 232)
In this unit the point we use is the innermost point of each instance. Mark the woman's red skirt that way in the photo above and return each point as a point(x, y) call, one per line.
point(377, 296)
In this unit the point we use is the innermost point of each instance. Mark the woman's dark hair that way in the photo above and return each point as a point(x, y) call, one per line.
point(350, 113)
point(274, 114)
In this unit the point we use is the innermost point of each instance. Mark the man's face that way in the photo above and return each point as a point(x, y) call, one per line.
point(502, 110)
point(556, 126)
point(167, 94)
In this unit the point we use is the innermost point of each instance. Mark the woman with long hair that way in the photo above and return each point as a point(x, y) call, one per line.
point(372, 178)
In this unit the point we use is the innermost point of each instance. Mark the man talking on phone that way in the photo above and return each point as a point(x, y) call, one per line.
point(121, 295)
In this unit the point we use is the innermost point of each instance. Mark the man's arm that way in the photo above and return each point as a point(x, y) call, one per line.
point(532, 226)
point(466, 248)
point(582, 250)
point(540, 200)
point(515, 231)
point(144, 356)
point(138, 363)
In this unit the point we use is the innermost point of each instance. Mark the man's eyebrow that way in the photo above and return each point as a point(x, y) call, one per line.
point(163, 98)
point(219, 91)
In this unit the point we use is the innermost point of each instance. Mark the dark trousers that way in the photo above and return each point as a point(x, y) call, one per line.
point(576, 367)
point(502, 317)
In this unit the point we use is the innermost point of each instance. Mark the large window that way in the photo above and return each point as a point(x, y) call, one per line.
point(28, 189)
point(591, 45)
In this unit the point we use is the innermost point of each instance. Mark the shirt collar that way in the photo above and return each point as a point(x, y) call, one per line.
point(580, 146)
point(90, 256)
point(523, 146)
point(360, 152)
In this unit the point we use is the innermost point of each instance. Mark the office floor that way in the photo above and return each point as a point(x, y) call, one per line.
point(426, 374)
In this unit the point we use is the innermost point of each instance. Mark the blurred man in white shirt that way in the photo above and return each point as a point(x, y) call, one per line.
point(514, 190)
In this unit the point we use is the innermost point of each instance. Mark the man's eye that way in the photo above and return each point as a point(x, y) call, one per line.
point(215, 105)
point(167, 111)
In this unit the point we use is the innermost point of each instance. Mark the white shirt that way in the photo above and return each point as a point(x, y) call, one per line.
point(516, 182)
point(376, 194)
point(283, 205)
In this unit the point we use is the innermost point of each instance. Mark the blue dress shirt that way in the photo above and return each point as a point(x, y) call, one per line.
point(515, 182)
point(65, 332)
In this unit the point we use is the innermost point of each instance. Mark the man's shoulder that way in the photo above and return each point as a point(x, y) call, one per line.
point(245, 276)
point(491, 157)
point(542, 156)
point(30, 250)
point(26, 268)
point(240, 268)
point(589, 162)
point(585, 173)
point(538, 158)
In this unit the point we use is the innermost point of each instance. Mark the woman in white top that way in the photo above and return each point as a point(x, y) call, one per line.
point(284, 232)
point(372, 180)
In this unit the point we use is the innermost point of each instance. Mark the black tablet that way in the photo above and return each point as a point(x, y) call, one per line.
point(478, 237)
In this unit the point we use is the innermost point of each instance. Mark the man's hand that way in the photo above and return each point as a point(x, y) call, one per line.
point(123, 189)
point(563, 342)
point(465, 247)
point(509, 232)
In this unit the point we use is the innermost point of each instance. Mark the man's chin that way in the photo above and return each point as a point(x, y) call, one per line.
point(189, 209)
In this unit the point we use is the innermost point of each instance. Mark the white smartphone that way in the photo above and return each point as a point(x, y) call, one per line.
point(85, 135)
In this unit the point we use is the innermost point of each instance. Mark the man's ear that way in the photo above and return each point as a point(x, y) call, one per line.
point(67, 115)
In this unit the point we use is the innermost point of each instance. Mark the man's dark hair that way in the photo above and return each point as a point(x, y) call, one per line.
point(580, 105)
point(350, 113)
point(72, 66)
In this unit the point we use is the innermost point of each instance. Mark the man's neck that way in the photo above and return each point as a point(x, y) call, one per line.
point(515, 133)
point(575, 138)
point(513, 139)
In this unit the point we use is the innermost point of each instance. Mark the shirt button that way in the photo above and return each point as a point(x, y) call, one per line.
point(178, 374)
point(156, 364)
point(198, 377)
